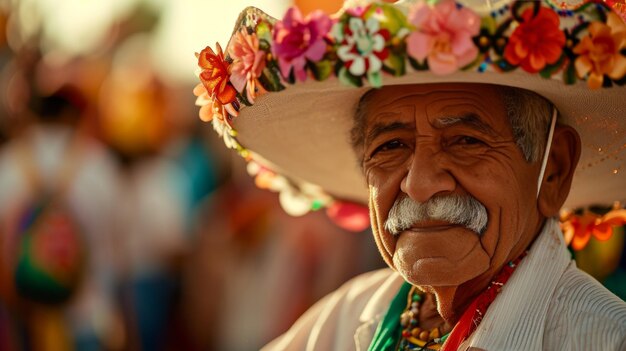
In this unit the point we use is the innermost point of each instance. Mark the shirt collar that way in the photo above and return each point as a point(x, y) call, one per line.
point(379, 302)
point(522, 304)
point(521, 307)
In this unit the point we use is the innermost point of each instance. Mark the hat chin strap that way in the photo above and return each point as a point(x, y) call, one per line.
point(544, 163)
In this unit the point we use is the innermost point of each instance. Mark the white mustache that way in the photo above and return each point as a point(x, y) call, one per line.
point(462, 210)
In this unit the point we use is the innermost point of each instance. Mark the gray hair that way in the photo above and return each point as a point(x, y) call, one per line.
point(529, 115)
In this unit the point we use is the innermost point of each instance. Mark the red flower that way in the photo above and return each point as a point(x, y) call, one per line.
point(536, 42)
point(215, 75)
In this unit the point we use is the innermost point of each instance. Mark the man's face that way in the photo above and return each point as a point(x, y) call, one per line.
point(447, 140)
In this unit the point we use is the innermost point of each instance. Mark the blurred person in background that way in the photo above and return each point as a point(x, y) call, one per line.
point(5, 56)
point(254, 269)
point(167, 170)
point(59, 196)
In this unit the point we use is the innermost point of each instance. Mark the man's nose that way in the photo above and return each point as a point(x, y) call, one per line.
point(426, 176)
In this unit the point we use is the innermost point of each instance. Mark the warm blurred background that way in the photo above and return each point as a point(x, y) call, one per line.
point(124, 223)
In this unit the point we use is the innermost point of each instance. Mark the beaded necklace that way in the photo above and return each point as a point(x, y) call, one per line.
point(398, 329)
point(414, 337)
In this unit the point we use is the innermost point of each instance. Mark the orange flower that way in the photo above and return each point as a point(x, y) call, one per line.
point(600, 51)
point(207, 113)
point(579, 229)
point(211, 108)
point(215, 75)
point(536, 42)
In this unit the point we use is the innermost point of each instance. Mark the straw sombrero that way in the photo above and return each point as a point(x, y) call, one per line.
point(284, 91)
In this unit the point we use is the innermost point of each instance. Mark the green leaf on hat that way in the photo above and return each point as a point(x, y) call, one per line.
point(389, 17)
point(264, 45)
point(489, 23)
point(569, 74)
point(503, 27)
point(375, 79)
point(338, 66)
point(478, 60)
point(579, 28)
point(417, 65)
point(270, 77)
point(292, 76)
point(549, 70)
point(595, 10)
point(519, 7)
point(321, 70)
point(346, 78)
point(242, 97)
point(264, 32)
point(395, 65)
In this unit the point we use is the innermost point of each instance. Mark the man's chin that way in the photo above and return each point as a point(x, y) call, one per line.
point(440, 271)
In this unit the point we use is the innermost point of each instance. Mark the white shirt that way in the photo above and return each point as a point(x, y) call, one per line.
point(547, 304)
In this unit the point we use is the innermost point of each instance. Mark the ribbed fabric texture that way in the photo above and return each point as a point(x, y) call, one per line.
point(549, 304)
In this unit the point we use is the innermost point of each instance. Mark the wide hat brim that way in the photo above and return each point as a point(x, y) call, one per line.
point(303, 131)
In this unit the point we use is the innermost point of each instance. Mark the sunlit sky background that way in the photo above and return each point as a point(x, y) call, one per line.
point(73, 27)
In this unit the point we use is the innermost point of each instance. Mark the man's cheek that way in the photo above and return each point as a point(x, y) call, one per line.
point(377, 222)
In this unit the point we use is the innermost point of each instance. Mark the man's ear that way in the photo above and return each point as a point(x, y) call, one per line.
point(562, 162)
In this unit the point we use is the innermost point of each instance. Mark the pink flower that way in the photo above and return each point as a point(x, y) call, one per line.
point(444, 36)
point(248, 63)
point(297, 40)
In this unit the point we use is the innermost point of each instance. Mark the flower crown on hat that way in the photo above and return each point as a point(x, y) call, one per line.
point(365, 43)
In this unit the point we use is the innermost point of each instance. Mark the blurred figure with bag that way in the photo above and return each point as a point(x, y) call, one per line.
point(58, 218)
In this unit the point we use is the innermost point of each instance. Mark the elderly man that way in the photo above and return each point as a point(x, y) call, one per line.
point(453, 195)
point(466, 167)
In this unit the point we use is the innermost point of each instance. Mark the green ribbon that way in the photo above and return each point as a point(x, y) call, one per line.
point(389, 330)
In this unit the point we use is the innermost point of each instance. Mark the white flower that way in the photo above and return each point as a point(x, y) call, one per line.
point(362, 46)
point(294, 202)
point(225, 132)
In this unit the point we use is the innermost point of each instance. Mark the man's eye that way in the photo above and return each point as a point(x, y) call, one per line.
point(467, 140)
point(390, 145)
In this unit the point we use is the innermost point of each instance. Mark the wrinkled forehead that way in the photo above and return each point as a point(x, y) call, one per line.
point(433, 101)
point(423, 94)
